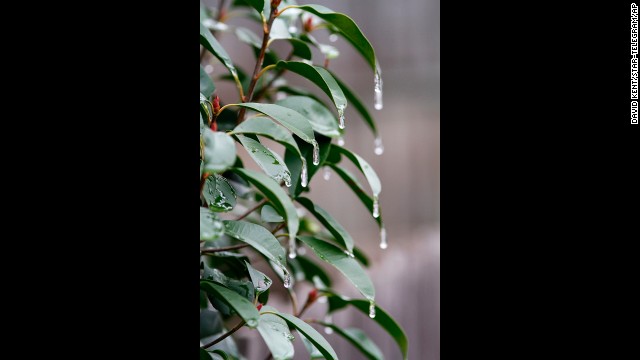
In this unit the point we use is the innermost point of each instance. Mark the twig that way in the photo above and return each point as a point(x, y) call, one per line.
point(277, 228)
point(225, 335)
point(260, 203)
point(264, 89)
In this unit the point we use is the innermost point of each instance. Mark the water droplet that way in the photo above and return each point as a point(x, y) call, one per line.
point(372, 309)
point(304, 177)
point(287, 181)
point(292, 247)
point(302, 251)
point(293, 29)
point(349, 254)
point(379, 148)
point(376, 207)
point(377, 89)
point(316, 153)
point(383, 238)
point(289, 336)
point(287, 278)
point(208, 69)
point(341, 116)
point(340, 141)
point(326, 174)
point(333, 37)
point(328, 330)
point(252, 322)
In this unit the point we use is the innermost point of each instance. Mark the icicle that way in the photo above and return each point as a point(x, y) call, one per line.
point(341, 116)
point(376, 207)
point(372, 309)
point(377, 90)
point(340, 141)
point(333, 37)
point(316, 153)
point(383, 238)
point(292, 247)
point(287, 181)
point(287, 278)
point(326, 174)
point(304, 177)
point(379, 148)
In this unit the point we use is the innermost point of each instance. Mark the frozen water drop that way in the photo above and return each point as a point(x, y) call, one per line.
point(383, 238)
point(304, 177)
point(208, 69)
point(293, 29)
point(333, 37)
point(292, 247)
point(326, 174)
point(316, 153)
point(340, 141)
point(252, 323)
point(328, 330)
point(376, 207)
point(341, 116)
point(372, 309)
point(287, 182)
point(379, 148)
point(377, 90)
point(287, 278)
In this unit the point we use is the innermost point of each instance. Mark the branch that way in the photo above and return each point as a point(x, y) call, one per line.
point(260, 203)
point(256, 70)
point(225, 335)
point(264, 89)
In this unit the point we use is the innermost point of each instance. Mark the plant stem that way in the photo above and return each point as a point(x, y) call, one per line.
point(294, 301)
point(256, 70)
point(225, 248)
point(283, 234)
point(264, 89)
point(277, 228)
point(225, 335)
point(260, 203)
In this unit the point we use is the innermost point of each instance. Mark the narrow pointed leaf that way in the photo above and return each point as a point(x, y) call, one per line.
point(258, 237)
point(245, 309)
point(261, 282)
point(269, 214)
point(309, 270)
point(347, 28)
point(321, 119)
point(210, 43)
point(276, 334)
point(328, 222)
point(363, 165)
point(319, 76)
point(266, 127)
point(207, 86)
point(356, 187)
point(269, 161)
point(256, 4)
point(211, 227)
point(360, 340)
point(295, 164)
point(311, 334)
point(290, 119)
point(219, 194)
point(314, 353)
point(353, 100)
point(219, 151)
point(348, 266)
point(382, 318)
point(278, 197)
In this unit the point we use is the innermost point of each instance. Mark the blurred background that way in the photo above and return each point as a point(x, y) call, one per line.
point(406, 37)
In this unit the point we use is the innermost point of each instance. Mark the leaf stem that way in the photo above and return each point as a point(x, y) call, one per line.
point(264, 89)
point(256, 70)
point(225, 248)
point(283, 234)
point(277, 228)
point(265, 69)
point(225, 335)
point(259, 204)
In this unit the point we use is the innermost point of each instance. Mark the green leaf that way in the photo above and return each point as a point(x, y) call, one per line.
point(219, 151)
point(309, 270)
point(210, 43)
point(328, 222)
point(348, 266)
point(204, 355)
point(321, 119)
point(294, 163)
point(280, 31)
point(355, 186)
point(346, 27)
point(248, 37)
point(311, 334)
point(245, 309)
point(241, 287)
point(353, 99)
point(276, 195)
point(223, 355)
point(266, 127)
point(319, 76)
point(256, 4)
point(207, 87)
point(360, 340)
point(290, 119)
point(361, 256)
point(269, 214)
point(269, 161)
point(276, 334)
point(219, 194)
point(258, 237)
point(211, 227)
point(298, 91)
point(261, 282)
point(382, 318)
point(364, 166)
point(210, 322)
point(314, 353)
